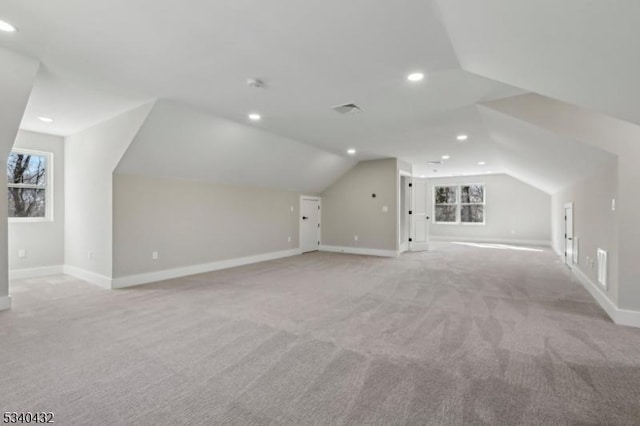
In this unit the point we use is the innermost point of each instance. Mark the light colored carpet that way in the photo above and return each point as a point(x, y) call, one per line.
point(460, 335)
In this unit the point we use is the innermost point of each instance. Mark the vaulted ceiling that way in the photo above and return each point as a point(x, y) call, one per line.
point(102, 58)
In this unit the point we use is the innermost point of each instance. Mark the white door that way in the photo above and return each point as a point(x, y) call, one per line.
point(568, 235)
point(419, 216)
point(309, 224)
point(405, 218)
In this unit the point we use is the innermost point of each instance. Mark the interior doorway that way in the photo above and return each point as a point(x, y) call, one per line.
point(568, 234)
point(419, 216)
point(309, 223)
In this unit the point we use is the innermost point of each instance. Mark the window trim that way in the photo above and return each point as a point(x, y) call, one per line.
point(48, 212)
point(458, 204)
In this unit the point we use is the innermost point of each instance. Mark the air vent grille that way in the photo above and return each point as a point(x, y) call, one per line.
point(347, 109)
point(435, 162)
point(602, 267)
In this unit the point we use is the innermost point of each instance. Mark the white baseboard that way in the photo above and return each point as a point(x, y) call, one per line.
point(90, 277)
point(358, 250)
point(149, 277)
point(5, 302)
point(492, 240)
point(19, 274)
point(619, 316)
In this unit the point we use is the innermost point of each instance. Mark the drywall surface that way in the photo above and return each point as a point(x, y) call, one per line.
point(17, 74)
point(191, 223)
point(90, 159)
point(349, 210)
point(177, 141)
point(594, 223)
point(514, 211)
point(43, 240)
point(615, 136)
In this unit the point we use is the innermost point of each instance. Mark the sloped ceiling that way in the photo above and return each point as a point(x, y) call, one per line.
point(578, 51)
point(16, 80)
point(178, 141)
point(101, 58)
point(538, 156)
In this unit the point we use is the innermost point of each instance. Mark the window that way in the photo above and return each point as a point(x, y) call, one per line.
point(28, 185)
point(446, 204)
point(472, 204)
point(459, 204)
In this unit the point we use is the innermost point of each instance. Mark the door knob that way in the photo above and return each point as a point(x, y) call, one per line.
point(304, 218)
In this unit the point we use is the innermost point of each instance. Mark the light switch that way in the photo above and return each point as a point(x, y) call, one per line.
point(154, 255)
point(385, 209)
point(613, 205)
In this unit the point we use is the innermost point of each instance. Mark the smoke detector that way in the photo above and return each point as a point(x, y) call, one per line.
point(255, 83)
point(347, 109)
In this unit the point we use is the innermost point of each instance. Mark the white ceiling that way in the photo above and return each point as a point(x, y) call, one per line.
point(539, 157)
point(101, 58)
point(583, 52)
point(73, 106)
point(220, 150)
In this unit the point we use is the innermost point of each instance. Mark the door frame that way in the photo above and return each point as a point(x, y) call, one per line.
point(404, 246)
point(568, 260)
point(313, 198)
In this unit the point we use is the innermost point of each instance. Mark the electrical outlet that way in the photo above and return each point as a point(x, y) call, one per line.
point(22, 253)
point(154, 255)
point(355, 238)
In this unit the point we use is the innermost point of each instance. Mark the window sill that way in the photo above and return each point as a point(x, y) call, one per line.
point(29, 219)
point(461, 223)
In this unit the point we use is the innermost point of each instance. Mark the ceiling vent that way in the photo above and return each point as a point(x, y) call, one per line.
point(434, 163)
point(347, 109)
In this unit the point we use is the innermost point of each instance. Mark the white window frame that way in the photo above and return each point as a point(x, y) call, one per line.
point(48, 188)
point(458, 204)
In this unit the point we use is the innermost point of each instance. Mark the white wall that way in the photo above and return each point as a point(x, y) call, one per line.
point(43, 241)
point(348, 208)
point(17, 74)
point(90, 159)
point(615, 136)
point(194, 223)
point(594, 223)
point(514, 211)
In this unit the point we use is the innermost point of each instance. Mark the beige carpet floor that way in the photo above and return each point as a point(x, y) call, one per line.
point(460, 335)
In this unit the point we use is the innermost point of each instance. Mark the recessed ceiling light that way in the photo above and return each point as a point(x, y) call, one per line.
point(481, 163)
point(446, 157)
point(351, 151)
point(416, 76)
point(489, 172)
point(46, 119)
point(7, 27)
point(462, 137)
point(254, 116)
